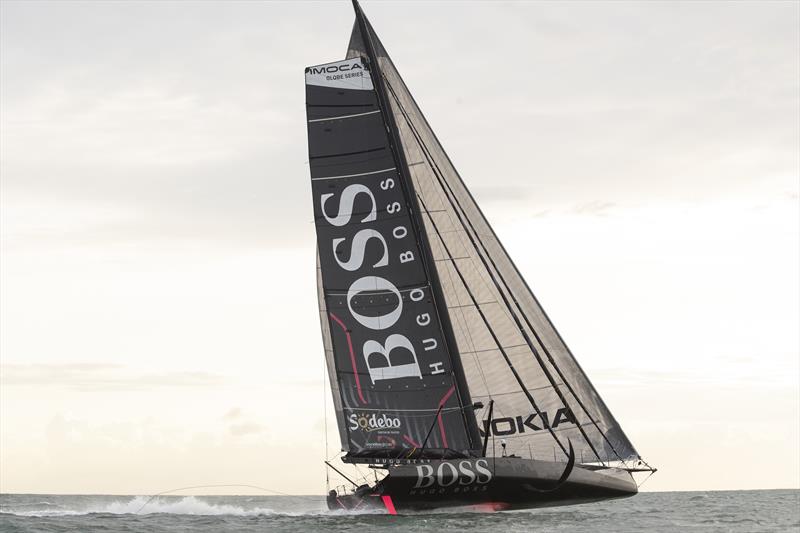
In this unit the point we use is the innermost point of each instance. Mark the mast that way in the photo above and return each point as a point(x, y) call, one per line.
point(428, 261)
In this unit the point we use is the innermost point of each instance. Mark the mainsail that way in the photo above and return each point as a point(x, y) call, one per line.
point(423, 312)
point(400, 393)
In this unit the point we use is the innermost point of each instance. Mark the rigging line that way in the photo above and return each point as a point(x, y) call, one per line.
point(454, 202)
point(469, 337)
point(645, 479)
point(492, 333)
point(325, 421)
point(465, 329)
point(340, 473)
point(493, 235)
point(435, 419)
point(342, 397)
point(407, 186)
point(470, 305)
point(497, 286)
point(361, 475)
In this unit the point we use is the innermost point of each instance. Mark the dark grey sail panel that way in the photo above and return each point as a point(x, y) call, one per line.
point(497, 321)
point(391, 371)
point(330, 367)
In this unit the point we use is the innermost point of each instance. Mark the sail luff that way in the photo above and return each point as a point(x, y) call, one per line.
point(462, 390)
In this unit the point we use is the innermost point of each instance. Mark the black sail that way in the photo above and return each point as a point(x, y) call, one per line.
point(397, 391)
point(509, 350)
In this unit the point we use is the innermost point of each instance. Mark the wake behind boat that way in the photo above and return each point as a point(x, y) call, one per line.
point(447, 376)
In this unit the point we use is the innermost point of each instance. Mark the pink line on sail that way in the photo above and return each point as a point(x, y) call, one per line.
point(411, 441)
point(352, 356)
point(441, 423)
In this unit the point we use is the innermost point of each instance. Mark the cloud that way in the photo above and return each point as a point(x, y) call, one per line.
point(233, 414)
point(94, 377)
point(245, 428)
point(597, 208)
point(163, 124)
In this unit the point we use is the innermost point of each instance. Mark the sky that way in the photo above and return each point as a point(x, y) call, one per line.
point(158, 319)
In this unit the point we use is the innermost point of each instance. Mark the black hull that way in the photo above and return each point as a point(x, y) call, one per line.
point(487, 484)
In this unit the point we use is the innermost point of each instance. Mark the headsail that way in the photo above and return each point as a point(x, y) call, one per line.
point(510, 351)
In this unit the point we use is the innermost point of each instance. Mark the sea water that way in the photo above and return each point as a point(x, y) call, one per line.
point(731, 511)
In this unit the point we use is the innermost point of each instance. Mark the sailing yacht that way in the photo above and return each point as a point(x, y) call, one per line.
point(448, 378)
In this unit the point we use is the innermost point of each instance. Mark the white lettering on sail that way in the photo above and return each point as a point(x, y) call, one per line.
point(405, 257)
point(347, 74)
point(374, 283)
point(346, 205)
point(358, 249)
point(385, 369)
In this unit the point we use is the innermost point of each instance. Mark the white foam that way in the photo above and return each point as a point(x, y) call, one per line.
point(188, 505)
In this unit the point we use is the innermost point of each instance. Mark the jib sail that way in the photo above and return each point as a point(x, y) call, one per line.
point(398, 391)
point(510, 352)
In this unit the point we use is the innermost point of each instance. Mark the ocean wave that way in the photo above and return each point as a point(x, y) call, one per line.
point(144, 505)
point(188, 505)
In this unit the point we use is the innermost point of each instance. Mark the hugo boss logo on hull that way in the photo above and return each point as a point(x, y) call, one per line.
point(465, 473)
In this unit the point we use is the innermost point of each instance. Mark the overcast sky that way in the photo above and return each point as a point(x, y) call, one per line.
point(158, 321)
